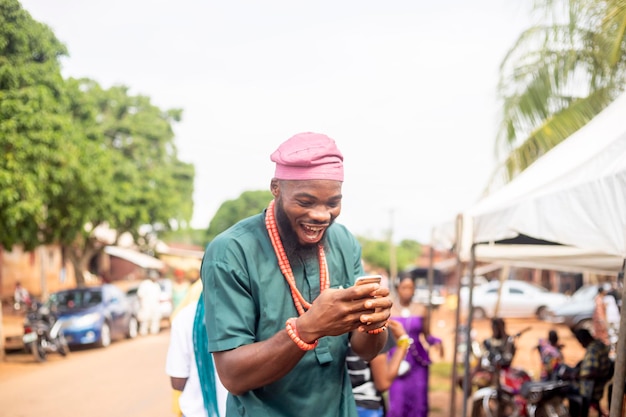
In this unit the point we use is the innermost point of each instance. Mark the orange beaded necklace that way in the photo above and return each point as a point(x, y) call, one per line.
point(283, 262)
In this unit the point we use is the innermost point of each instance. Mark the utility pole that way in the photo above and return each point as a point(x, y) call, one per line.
point(393, 263)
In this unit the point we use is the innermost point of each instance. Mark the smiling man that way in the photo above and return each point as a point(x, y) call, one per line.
point(280, 301)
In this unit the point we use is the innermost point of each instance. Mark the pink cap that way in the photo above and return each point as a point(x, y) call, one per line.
point(308, 156)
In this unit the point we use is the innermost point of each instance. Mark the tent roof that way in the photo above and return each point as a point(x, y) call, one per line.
point(573, 195)
point(550, 257)
point(138, 258)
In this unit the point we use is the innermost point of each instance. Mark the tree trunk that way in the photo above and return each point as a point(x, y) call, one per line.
point(1, 335)
point(80, 255)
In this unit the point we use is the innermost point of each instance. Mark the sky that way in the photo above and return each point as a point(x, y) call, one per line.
point(406, 88)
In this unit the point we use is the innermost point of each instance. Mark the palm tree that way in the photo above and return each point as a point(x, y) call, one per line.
point(558, 76)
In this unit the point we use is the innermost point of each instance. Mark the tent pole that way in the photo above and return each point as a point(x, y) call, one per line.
point(457, 313)
point(617, 398)
point(468, 330)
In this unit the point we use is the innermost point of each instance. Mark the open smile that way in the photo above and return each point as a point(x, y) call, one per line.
point(312, 234)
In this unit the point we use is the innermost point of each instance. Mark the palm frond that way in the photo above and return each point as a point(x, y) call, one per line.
point(552, 132)
point(614, 25)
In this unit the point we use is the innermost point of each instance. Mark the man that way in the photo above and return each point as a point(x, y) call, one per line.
point(550, 355)
point(149, 295)
point(612, 316)
point(594, 371)
point(498, 347)
point(280, 301)
point(192, 397)
point(180, 286)
point(600, 325)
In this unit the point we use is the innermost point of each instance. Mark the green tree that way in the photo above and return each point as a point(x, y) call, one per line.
point(76, 156)
point(231, 211)
point(557, 76)
point(42, 168)
point(188, 236)
point(145, 188)
point(376, 253)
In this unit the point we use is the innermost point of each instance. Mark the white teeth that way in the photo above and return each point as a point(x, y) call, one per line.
point(312, 234)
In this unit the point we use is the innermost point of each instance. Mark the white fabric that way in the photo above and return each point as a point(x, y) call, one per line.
point(551, 257)
point(149, 315)
point(181, 363)
point(574, 195)
point(612, 311)
point(135, 257)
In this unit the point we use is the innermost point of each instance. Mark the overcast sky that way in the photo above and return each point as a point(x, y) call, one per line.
point(406, 88)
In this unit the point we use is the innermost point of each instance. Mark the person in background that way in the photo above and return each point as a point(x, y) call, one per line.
point(550, 354)
point(612, 316)
point(193, 294)
point(371, 379)
point(496, 346)
point(191, 297)
point(192, 397)
point(21, 297)
point(149, 295)
point(598, 318)
point(281, 304)
point(408, 394)
point(180, 286)
point(593, 372)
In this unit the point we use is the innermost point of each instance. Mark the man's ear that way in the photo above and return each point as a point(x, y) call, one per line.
point(275, 187)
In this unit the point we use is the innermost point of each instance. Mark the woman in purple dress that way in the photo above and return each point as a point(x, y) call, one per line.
point(408, 394)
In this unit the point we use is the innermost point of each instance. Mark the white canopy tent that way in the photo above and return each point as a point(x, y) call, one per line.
point(568, 209)
point(574, 195)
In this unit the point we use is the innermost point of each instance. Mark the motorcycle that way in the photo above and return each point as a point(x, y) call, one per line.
point(43, 333)
point(508, 391)
point(546, 398)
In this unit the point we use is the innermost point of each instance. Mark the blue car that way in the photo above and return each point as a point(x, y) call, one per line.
point(94, 315)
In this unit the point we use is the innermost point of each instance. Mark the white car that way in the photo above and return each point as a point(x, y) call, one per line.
point(517, 299)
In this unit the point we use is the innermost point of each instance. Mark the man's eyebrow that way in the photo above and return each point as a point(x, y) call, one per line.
point(304, 194)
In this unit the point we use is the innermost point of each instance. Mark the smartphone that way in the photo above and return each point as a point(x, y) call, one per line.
point(368, 279)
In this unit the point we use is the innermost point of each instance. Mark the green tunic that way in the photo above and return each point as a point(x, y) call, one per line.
point(248, 300)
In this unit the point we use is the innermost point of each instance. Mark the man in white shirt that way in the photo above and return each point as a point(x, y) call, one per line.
point(149, 294)
point(181, 367)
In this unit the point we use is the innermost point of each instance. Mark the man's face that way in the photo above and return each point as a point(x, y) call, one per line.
point(305, 209)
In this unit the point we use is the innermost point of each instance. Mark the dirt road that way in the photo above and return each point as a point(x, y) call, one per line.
point(128, 379)
point(526, 357)
point(125, 379)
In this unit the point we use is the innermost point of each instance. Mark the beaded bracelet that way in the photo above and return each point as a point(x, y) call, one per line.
point(404, 341)
point(379, 330)
point(290, 325)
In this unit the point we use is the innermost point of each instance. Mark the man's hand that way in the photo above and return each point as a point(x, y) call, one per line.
point(339, 311)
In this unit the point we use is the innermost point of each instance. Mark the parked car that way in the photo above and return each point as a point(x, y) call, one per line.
point(517, 299)
point(422, 295)
point(94, 315)
point(578, 310)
